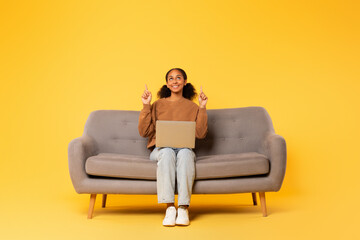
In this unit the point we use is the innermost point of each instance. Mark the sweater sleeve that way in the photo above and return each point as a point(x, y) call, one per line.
point(201, 123)
point(146, 127)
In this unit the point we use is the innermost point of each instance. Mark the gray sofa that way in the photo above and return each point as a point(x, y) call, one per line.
point(240, 154)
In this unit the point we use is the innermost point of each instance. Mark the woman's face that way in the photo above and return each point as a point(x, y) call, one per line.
point(175, 81)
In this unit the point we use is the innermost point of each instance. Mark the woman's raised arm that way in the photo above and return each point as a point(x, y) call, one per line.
point(201, 119)
point(146, 127)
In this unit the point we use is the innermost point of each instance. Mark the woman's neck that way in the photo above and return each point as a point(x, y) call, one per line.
point(175, 96)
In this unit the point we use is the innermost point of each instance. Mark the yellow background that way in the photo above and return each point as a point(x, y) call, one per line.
point(60, 60)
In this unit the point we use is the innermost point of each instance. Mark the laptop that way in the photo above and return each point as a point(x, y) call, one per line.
point(176, 134)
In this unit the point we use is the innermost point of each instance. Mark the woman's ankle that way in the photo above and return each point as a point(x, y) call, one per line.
point(170, 205)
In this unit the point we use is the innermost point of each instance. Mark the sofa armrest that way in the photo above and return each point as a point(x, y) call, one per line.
point(276, 152)
point(79, 150)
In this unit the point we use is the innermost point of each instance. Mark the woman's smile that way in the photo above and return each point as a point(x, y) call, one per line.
point(176, 87)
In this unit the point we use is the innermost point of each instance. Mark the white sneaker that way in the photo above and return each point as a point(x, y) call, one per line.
point(170, 216)
point(182, 217)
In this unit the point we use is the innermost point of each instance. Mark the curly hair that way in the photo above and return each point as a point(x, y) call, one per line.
point(189, 91)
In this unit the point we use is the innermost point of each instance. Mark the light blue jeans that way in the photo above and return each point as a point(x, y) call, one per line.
point(174, 165)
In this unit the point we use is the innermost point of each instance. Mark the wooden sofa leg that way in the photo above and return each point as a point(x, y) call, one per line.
point(254, 198)
point(91, 205)
point(263, 203)
point(104, 200)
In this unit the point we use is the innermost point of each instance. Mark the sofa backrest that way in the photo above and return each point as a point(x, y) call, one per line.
point(116, 131)
point(233, 130)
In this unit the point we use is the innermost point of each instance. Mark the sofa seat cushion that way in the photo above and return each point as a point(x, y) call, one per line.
point(121, 166)
point(207, 167)
point(231, 165)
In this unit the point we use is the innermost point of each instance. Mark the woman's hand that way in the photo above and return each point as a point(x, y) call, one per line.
point(202, 99)
point(146, 97)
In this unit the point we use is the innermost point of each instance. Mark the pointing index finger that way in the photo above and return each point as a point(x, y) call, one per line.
point(201, 89)
point(146, 87)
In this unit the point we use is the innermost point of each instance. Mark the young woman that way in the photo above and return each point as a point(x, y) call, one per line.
point(174, 165)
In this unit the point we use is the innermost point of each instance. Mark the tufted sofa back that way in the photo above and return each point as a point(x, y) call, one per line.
point(116, 131)
point(233, 130)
